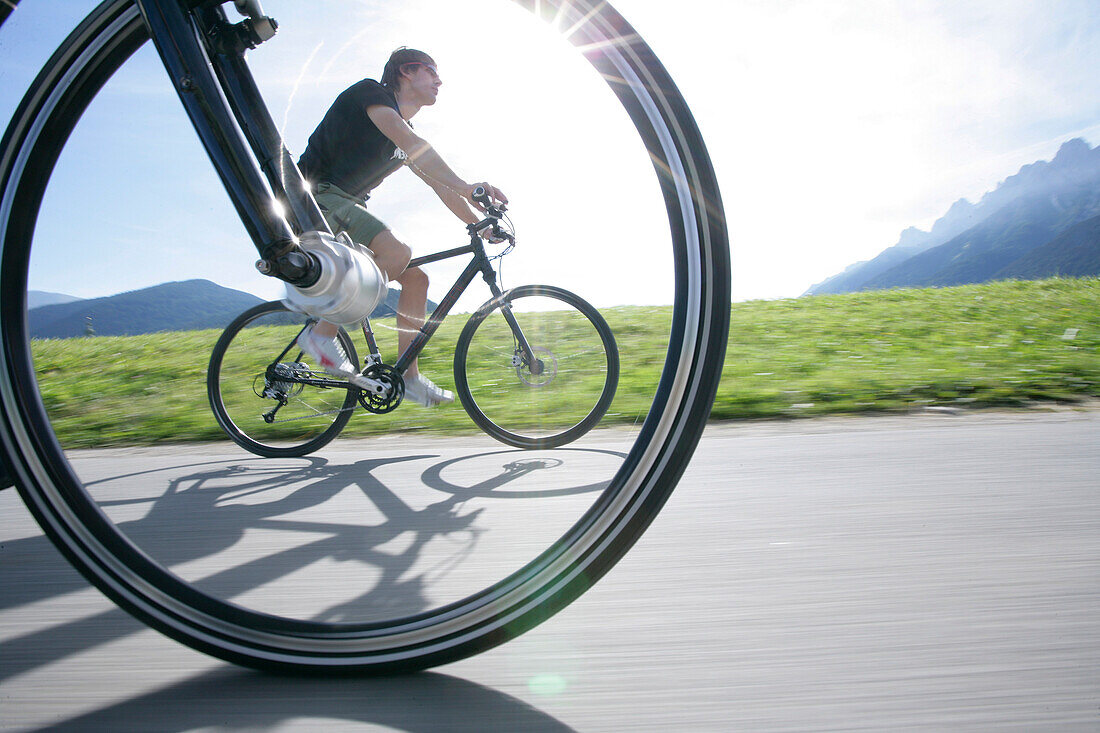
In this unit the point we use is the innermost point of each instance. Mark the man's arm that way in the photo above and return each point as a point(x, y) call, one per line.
point(449, 196)
point(425, 160)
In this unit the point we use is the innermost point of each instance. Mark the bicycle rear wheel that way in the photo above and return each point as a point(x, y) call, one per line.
point(259, 390)
point(557, 398)
point(367, 567)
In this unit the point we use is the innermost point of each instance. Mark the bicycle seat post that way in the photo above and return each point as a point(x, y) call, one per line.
point(374, 356)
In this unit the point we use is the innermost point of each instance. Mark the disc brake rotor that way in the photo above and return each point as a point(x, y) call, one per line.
point(543, 373)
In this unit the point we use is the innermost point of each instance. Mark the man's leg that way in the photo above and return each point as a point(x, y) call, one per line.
point(392, 255)
point(345, 213)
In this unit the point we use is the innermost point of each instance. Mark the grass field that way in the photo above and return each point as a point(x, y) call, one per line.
point(999, 344)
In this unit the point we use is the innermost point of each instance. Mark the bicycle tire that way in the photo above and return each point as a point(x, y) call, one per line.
point(564, 396)
point(240, 392)
point(60, 501)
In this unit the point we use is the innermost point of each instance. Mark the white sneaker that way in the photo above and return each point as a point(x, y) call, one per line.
point(327, 351)
point(421, 391)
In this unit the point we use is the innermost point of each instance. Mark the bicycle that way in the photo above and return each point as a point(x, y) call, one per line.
point(203, 52)
point(542, 384)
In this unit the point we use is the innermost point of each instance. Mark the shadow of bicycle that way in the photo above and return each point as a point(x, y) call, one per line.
point(320, 539)
point(507, 483)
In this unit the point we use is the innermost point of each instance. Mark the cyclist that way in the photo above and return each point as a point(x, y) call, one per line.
point(363, 138)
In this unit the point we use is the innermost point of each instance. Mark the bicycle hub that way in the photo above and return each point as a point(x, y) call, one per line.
point(350, 285)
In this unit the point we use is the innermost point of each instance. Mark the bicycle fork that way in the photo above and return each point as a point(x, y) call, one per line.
point(523, 353)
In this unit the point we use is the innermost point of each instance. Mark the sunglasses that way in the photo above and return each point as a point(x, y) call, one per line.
point(427, 66)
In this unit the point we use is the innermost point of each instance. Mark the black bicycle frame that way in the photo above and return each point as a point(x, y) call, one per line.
point(479, 263)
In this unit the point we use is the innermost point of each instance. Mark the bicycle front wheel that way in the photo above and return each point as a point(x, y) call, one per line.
point(267, 394)
point(548, 400)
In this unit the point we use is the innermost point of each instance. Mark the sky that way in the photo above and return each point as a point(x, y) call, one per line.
point(832, 127)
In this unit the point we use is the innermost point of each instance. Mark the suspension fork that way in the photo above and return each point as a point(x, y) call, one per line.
point(215, 118)
point(227, 44)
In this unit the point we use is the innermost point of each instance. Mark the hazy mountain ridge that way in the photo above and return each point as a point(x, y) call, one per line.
point(975, 242)
point(176, 306)
point(1073, 253)
point(39, 298)
point(978, 254)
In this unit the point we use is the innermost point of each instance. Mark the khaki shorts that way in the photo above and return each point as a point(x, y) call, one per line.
point(345, 213)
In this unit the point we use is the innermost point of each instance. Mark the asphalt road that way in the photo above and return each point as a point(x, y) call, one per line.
point(924, 573)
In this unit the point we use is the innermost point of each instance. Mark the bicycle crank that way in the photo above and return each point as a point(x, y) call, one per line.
point(386, 390)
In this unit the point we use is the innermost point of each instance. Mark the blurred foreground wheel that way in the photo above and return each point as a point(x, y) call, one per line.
point(186, 605)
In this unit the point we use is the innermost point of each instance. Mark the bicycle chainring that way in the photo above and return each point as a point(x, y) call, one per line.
point(391, 397)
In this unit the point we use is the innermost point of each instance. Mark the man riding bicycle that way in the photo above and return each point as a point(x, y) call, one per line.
point(364, 137)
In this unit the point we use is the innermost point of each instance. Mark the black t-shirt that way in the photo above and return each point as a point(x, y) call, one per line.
point(347, 149)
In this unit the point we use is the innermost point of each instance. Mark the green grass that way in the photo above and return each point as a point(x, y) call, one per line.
point(999, 344)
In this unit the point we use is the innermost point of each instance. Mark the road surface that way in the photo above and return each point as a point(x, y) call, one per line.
point(928, 572)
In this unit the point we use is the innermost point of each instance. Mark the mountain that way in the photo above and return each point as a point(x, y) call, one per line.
point(177, 306)
point(980, 253)
point(961, 216)
point(1073, 253)
point(975, 242)
point(39, 298)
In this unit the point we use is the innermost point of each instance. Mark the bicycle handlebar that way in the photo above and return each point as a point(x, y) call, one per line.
point(494, 213)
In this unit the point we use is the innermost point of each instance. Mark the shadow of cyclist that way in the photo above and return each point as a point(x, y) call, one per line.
point(208, 509)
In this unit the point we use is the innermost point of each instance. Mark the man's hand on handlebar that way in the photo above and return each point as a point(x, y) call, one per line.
point(493, 237)
point(484, 195)
point(491, 201)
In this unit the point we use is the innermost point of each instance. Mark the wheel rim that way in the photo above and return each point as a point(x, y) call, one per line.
point(526, 407)
point(583, 553)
